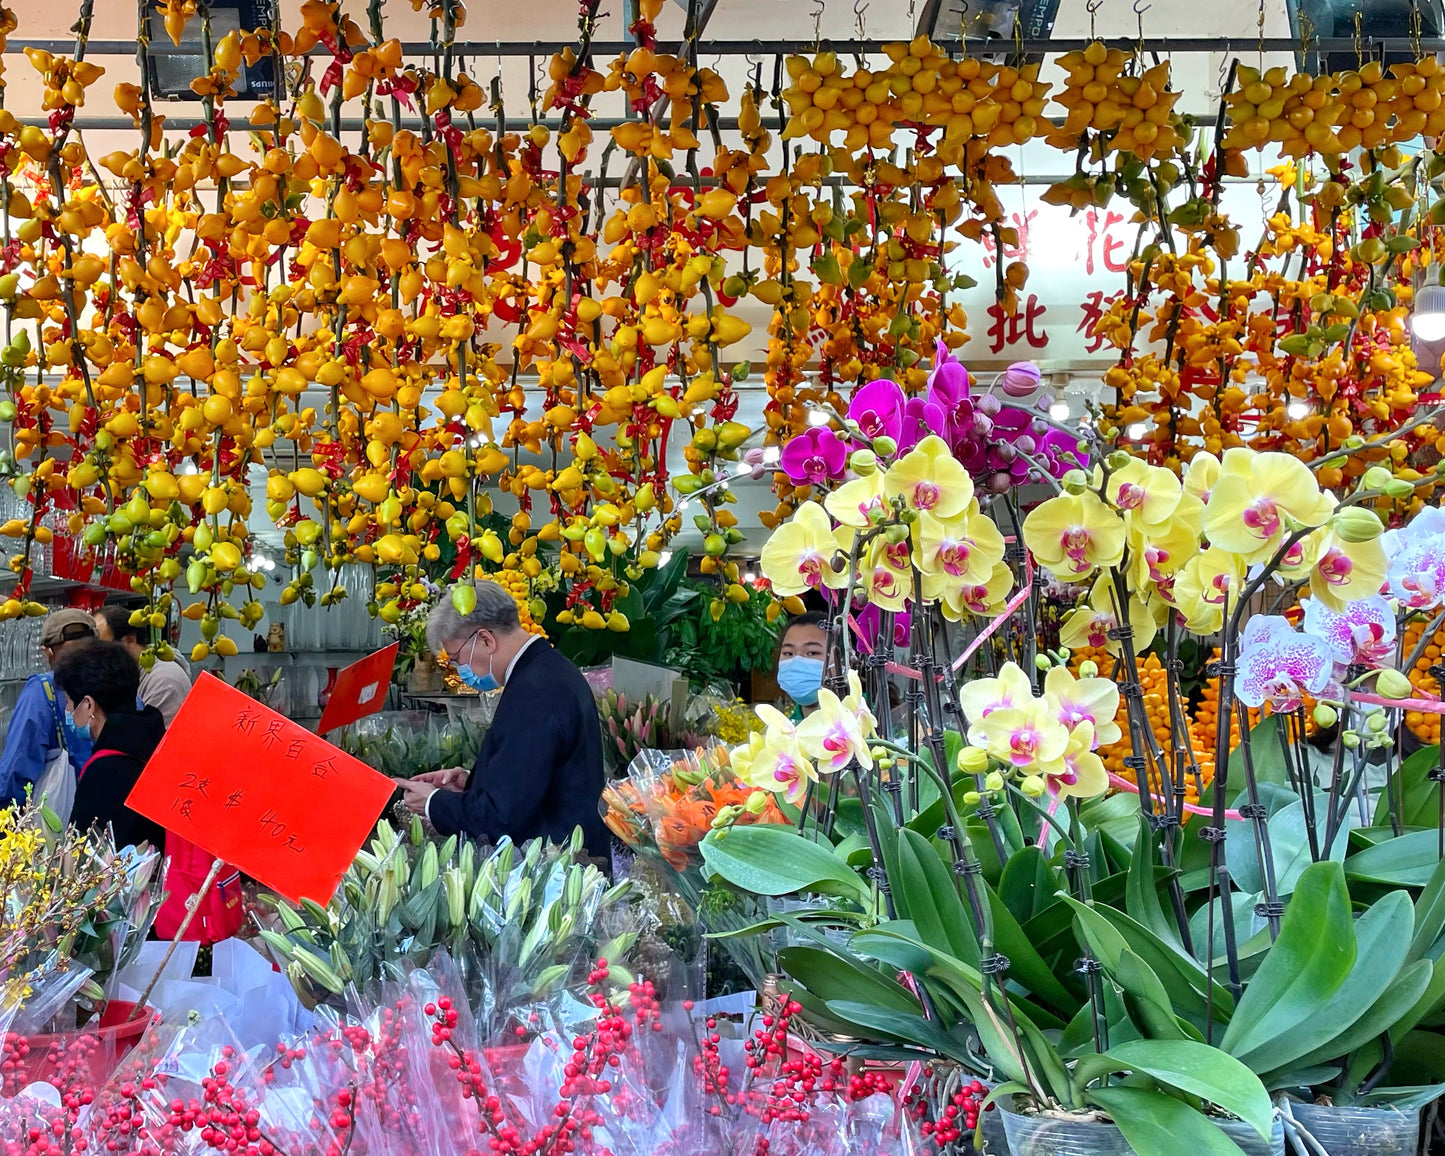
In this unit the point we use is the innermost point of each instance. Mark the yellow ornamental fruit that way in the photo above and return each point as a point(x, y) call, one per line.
point(213, 501)
point(491, 547)
point(381, 383)
point(372, 487)
point(618, 623)
point(226, 647)
point(453, 464)
point(279, 488)
point(593, 621)
point(225, 556)
point(717, 203)
point(391, 549)
point(308, 481)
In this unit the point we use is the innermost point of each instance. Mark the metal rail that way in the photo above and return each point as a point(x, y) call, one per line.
point(1368, 46)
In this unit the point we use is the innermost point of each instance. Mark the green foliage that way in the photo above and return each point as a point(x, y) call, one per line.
point(738, 641)
point(653, 604)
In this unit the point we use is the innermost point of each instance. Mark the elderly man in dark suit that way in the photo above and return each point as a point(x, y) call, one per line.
point(539, 771)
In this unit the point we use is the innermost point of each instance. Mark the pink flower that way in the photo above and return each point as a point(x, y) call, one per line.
point(813, 457)
point(878, 409)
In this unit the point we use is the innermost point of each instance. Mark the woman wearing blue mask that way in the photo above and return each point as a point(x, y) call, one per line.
point(801, 656)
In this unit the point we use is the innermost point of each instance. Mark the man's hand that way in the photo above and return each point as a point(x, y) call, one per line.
point(415, 794)
point(453, 778)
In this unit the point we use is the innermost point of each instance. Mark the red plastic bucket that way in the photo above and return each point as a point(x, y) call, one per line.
point(87, 1056)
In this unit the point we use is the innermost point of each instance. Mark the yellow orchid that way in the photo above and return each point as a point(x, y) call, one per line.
point(1092, 623)
point(987, 600)
point(1009, 690)
point(1084, 700)
point(1258, 499)
point(1072, 535)
point(798, 556)
point(1146, 495)
point(961, 549)
point(1201, 475)
point(930, 480)
point(1027, 738)
point(775, 762)
point(837, 732)
point(853, 503)
point(1209, 581)
point(887, 574)
point(1158, 554)
point(1346, 572)
point(1082, 775)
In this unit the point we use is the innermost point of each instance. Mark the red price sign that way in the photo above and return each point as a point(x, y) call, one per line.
point(360, 690)
point(258, 790)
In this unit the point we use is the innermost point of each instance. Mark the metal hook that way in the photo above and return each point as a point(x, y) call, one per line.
point(1092, 6)
point(818, 25)
point(860, 11)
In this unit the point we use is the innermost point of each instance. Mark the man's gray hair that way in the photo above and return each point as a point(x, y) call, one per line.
point(495, 611)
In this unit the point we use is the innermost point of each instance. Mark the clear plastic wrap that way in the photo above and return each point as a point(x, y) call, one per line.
point(1352, 1131)
point(1055, 1135)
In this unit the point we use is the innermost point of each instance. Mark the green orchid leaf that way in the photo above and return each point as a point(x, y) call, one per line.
point(1429, 913)
point(1203, 1071)
point(1309, 961)
point(1410, 860)
point(1028, 884)
point(768, 859)
point(926, 893)
point(1142, 892)
point(1382, 938)
point(832, 977)
point(1155, 1123)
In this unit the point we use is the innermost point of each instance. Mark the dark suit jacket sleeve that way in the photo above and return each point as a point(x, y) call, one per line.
point(511, 780)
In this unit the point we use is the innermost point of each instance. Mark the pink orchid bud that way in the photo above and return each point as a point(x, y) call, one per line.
point(1020, 379)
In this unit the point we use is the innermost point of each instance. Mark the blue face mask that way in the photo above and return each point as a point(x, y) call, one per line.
point(478, 682)
point(800, 677)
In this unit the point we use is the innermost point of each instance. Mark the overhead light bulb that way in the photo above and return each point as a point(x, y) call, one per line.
point(823, 417)
point(1135, 431)
point(1297, 410)
point(772, 455)
point(664, 558)
point(1428, 319)
point(749, 577)
point(1059, 411)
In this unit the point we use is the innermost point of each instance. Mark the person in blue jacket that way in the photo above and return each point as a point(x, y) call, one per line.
point(539, 771)
point(40, 723)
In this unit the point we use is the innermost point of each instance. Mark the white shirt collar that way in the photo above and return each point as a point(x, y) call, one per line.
point(507, 677)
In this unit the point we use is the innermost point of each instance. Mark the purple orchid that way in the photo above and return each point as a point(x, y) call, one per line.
point(1363, 635)
point(920, 418)
point(878, 409)
point(950, 390)
point(1279, 666)
point(815, 456)
point(870, 626)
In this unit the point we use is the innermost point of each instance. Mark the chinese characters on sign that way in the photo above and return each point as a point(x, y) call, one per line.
point(259, 791)
point(1078, 265)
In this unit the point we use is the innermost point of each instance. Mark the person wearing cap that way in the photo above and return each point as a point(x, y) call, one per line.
point(40, 723)
point(166, 684)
